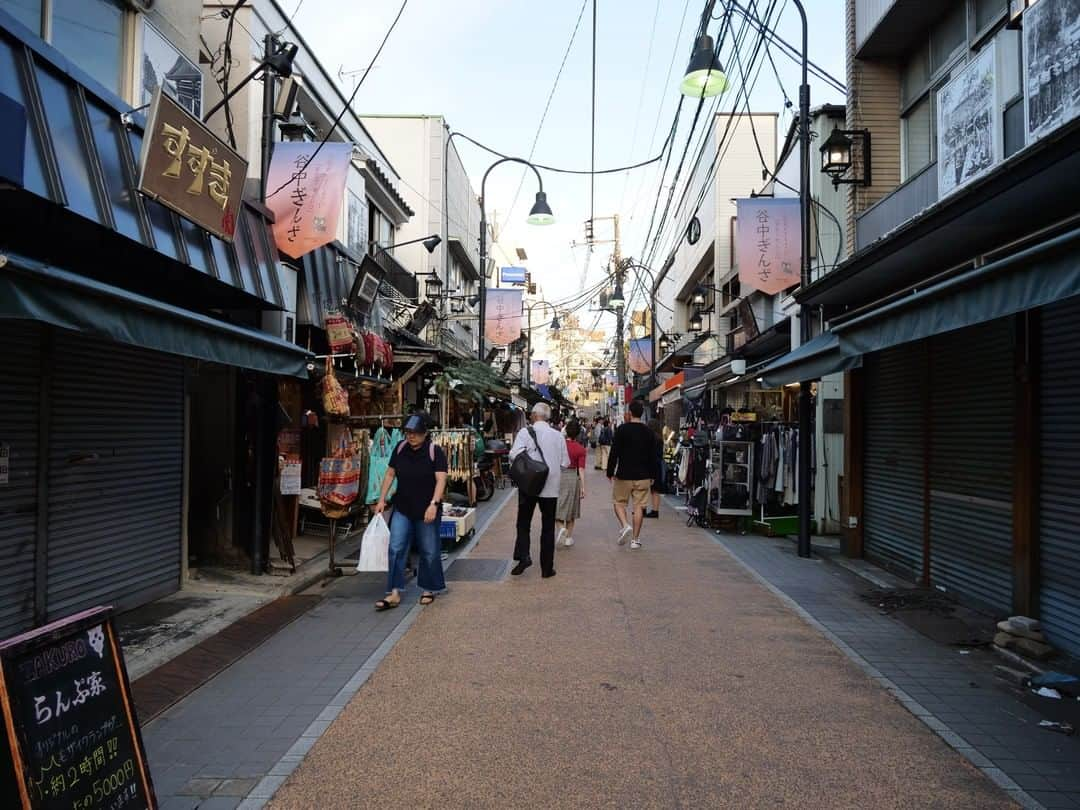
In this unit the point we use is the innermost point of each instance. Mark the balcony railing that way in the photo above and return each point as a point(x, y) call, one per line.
point(916, 195)
point(396, 275)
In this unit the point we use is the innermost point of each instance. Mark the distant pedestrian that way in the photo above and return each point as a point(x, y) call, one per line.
point(571, 486)
point(603, 444)
point(632, 466)
point(659, 484)
point(543, 443)
point(420, 469)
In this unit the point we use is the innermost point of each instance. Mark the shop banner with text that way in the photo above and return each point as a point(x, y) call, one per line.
point(502, 318)
point(641, 355)
point(541, 372)
point(768, 243)
point(308, 206)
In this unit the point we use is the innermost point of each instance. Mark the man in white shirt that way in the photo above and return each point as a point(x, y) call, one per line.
point(549, 446)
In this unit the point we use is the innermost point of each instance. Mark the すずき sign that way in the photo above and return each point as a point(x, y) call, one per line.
point(72, 740)
point(189, 169)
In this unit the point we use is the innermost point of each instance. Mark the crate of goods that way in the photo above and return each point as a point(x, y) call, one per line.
point(457, 523)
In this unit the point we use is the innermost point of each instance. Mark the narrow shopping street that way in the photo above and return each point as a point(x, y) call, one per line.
point(666, 677)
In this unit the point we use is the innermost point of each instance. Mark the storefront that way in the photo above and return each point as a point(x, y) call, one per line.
point(110, 306)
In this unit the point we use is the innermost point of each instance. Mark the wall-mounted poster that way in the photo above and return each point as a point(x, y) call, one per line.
point(1051, 66)
point(164, 66)
point(967, 125)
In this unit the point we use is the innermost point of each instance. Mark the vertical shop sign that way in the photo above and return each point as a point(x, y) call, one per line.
point(641, 355)
point(540, 372)
point(767, 243)
point(289, 464)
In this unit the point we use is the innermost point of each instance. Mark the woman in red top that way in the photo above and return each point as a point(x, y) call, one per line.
point(571, 486)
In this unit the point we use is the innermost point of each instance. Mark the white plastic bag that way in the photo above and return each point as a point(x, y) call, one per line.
point(375, 546)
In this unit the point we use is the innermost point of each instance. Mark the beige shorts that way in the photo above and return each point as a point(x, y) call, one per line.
point(623, 491)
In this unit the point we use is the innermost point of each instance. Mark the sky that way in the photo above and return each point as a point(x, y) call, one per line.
point(489, 66)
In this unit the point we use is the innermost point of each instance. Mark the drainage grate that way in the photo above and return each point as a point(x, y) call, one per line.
point(468, 570)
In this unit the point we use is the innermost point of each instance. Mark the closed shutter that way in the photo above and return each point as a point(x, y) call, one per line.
point(893, 461)
point(1059, 461)
point(115, 475)
point(971, 463)
point(18, 497)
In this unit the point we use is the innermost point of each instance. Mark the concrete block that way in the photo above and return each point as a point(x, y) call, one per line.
point(1019, 630)
point(1024, 646)
point(1031, 625)
point(1015, 677)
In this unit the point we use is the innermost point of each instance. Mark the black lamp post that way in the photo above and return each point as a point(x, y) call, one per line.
point(836, 156)
point(539, 214)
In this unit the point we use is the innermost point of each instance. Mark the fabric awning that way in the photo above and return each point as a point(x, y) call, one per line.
point(1034, 277)
point(811, 361)
point(30, 290)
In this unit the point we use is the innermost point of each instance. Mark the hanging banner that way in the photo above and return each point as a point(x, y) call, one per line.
point(307, 209)
point(641, 355)
point(767, 243)
point(513, 275)
point(541, 372)
point(502, 320)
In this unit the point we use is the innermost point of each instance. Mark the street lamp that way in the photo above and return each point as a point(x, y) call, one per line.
point(705, 76)
point(836, 156)
point(555, 323)
point(698, 299)
point(432, 285)
point(527, 374)
point(695, 322)
point(539, 214)
point(617, 301)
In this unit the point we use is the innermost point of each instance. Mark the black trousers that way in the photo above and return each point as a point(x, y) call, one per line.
point(526, 506)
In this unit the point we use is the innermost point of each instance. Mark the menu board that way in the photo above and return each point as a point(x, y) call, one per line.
point(72, 740)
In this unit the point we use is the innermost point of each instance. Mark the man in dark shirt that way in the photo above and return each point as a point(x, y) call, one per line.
point(632, 465)
point(420, 468)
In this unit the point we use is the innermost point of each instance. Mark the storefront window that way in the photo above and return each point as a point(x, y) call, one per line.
point(381, 229)
point(91, 34)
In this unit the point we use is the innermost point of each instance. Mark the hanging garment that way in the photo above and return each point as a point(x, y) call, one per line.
point(382, 447)
point(781, 463)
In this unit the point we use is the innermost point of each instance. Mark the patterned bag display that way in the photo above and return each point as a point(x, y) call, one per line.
point(335, 398)
point(339, 475)
point(338, 332)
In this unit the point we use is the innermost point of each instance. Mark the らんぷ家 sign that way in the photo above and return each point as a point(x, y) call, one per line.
point(189, 169)
point(72, 740)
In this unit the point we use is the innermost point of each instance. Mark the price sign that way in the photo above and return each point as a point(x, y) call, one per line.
point(72, 740)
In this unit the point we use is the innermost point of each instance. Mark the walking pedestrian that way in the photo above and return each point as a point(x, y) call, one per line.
point(659, 484)
point(632, 468)
point(420, 468)
point(603, 444)
point(571, 486)
point(542, 443)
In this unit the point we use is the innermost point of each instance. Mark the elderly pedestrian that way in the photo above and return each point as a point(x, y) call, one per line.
point(571, 486)
point(542, 443)
point(420, 468)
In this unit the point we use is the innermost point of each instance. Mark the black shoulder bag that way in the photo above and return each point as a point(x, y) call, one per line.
point(527, 473)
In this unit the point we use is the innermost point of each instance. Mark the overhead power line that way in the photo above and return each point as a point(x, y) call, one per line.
point(556, 169)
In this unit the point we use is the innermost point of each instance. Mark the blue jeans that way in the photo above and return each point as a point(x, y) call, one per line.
point(405, 531)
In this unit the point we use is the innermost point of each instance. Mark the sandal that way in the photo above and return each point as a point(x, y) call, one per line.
point(427, 599)
point(386, 604)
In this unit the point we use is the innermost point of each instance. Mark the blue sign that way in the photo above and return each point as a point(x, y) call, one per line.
point(12, 140)
point(512, 275)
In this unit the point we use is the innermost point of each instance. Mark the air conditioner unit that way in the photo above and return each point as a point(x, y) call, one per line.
point(280, 324)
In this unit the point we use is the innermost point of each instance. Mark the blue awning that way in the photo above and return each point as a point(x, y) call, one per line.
point(30, 290)
point(811, 361)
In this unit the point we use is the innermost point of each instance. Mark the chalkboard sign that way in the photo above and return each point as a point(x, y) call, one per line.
point(72, 740)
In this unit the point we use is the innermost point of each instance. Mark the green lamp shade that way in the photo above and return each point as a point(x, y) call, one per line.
point(705, 75)
point(540, 214)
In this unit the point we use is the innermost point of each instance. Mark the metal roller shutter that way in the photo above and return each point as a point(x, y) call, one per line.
point(18, 497)
point(893, 461)
point(1059, 503)
point(971, 463)
point(115, 475)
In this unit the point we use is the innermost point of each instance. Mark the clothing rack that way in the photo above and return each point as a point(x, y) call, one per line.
point(774, 424)
point(377, 417)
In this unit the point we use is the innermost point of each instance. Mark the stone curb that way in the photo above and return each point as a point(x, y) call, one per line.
point(264, 791)
point(941, 729)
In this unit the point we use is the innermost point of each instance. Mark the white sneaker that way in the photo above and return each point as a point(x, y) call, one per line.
point(625, 533)
point(569, 541)
point(635, 544)
point(560, 535)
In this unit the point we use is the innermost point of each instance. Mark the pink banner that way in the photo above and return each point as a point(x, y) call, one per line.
point(768, 244)
point(502, 316)
point(641, 355)
point(541, 372)
point(307, 209)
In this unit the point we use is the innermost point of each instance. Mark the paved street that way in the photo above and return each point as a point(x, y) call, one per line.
point(668, 677)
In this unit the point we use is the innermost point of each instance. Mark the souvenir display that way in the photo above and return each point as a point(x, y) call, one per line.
point(335, 398)
point(458, 446)
point(338, 332)
point(383, 445)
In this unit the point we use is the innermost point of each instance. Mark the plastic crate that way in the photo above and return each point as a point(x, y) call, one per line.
point(448, 530)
